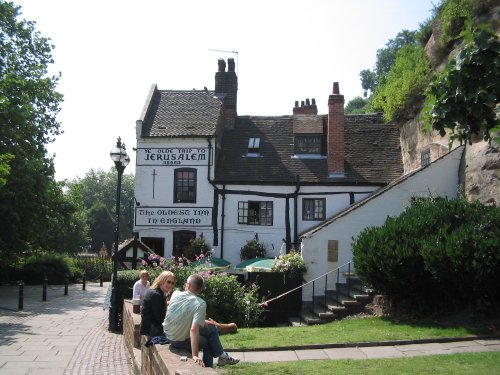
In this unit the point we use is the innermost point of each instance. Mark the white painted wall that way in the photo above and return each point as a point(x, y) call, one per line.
point(236, 235)
point(159, 176)
point(441, 178)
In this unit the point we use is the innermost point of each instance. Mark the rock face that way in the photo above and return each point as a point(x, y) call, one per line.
point(480, 172)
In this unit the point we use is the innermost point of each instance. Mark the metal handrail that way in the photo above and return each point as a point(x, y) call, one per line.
point(312, 282)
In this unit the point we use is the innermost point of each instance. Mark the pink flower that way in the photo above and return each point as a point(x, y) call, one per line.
point(143, 262)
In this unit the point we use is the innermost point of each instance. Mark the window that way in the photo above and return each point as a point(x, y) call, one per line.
point(313, 209)
point(308, 144)
point(425, 158)
point(255, 213)
point(185, 185)
point(253, 145)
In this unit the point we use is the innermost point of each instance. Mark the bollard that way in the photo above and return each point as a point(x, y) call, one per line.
point(84, 282)
point(66, 285)
point(21, 295)
point(100, 279)
point(44, 294)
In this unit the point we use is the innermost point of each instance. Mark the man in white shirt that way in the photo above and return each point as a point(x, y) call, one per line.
point(186, 328)
point(141, 286)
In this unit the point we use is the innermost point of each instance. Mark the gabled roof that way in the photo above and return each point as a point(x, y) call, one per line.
point(372, 152)
point(174, 113)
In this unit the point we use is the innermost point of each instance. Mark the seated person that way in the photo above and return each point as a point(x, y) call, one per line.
point(154, 305)
point(141, 286)
point(186, 327)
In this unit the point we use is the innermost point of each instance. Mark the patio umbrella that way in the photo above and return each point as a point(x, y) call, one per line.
point(211, 263)
point(255, 265)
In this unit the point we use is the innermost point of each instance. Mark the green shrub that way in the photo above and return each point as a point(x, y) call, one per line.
point(452, 16)
point(463, 98)
point(252, 249)
point(92, 267)
point(424, 32)
point(228, 301)
point(400, 95)
point(197, 246)
point(357, 106)
point(438, 256)
point(51, 265)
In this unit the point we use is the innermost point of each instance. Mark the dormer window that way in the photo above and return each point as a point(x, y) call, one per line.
point(308, 144)
point(253, 147)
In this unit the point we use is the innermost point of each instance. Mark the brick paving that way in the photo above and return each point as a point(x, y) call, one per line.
point(64, 335)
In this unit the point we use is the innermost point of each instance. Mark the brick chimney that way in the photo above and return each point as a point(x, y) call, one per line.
point(305, 109)
point(335, 140)
point(226, 89)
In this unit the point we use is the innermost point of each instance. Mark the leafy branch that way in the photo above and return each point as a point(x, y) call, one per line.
point(464, 97)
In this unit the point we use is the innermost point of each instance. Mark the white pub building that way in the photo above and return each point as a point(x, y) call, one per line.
point(202, 169)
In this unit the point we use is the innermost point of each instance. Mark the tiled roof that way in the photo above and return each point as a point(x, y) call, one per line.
point(173, 113)
point(310, 232)
point(372, 153)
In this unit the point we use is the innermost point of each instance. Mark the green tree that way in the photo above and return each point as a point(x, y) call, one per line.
point(357, 106)
point(29, 104)
point(5, 168)
point(402, 92)
point(369, 81)
point(386, 57)
point(96, 194)
point(464, 97)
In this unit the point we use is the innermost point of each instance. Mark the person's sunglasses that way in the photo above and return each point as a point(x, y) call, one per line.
point(170, 282)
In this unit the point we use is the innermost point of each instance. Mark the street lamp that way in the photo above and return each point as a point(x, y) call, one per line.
point(121, 159)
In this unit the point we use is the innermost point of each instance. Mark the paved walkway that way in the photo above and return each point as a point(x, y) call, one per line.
point(371, 352)
point(68, 335)
point(64, 335)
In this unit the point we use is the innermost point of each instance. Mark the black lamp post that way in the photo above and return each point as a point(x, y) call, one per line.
point(121, 159)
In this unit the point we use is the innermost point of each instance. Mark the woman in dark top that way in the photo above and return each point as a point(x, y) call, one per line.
point(154, 305)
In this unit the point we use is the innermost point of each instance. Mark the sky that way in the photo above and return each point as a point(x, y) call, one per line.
point(110, 52)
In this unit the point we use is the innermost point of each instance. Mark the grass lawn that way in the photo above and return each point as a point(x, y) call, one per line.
point(342, 331)
point(453, 364)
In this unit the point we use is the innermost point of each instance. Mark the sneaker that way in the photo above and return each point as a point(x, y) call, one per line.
point(227, 360)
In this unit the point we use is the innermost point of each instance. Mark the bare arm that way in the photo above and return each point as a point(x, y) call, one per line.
point(194, 335)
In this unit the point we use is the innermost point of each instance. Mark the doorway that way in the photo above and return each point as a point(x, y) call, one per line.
point(181, 242)
point(156, 244)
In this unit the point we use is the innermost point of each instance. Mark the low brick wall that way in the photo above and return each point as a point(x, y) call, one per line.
point(131, 324)
point(157, 359)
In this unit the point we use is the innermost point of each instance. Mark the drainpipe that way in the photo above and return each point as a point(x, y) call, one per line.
point(223, 215)
point(295, 210)
point(287, 223)
point(216, 192)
